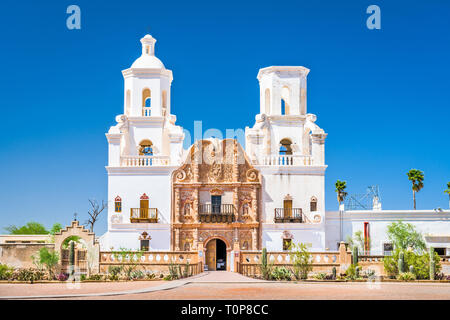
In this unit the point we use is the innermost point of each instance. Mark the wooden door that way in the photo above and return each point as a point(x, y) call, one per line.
point(143, 211)
point(211, 254)
point(287, 204)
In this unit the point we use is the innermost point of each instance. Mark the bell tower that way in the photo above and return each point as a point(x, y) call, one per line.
point(147, 84)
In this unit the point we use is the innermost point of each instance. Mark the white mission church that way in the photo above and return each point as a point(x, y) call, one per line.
point(220, 197)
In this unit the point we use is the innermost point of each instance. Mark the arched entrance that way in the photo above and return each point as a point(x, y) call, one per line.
point(216, 254)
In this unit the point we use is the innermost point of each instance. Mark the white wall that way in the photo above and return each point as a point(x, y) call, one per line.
point(427, 222)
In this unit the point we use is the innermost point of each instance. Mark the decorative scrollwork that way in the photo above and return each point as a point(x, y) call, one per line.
point(180, 175)
point(252, 175)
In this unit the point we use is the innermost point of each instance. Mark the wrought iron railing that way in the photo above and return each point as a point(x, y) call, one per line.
point(289, 215)
point(216, 213)
point(149, 215)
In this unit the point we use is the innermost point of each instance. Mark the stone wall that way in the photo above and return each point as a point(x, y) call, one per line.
point(18, 255)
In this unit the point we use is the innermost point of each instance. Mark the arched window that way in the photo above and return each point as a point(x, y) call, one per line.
point(146, 102)
point(283, 107)
point(118, 204)
point(267, 101)
point(285, 94)
point(286, 147)
point(146, 148)
point(313, 204)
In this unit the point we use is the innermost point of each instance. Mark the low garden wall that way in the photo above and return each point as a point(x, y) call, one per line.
point(156, 261)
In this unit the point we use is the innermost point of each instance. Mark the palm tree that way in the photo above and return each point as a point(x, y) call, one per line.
point(340, 187)
point(341, 194)
point(416, 177)
point(447, 191)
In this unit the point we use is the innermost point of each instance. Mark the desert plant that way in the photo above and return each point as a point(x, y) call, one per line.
point(82, 277)
point(281, 273)
point(265, 266)
point(439, 276)
point(173, 272)
point(355, 256)
point(419, 261)
point(333, 271)
point(301, 260)
point(406, 276)
point(401, 263)
point(96, 277)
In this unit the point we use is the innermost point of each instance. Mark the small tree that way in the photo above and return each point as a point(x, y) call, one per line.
point(301, 260)
point(340, 191)
point(447, 191)
point(49, 259)
point(416, 177)
point(404, 236)
point(94, 212)
point(356, 241)
point(29, 228)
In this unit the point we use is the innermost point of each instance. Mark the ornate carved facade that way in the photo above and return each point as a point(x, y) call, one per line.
point(216, 195)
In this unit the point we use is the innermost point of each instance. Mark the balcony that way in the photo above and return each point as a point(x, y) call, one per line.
point(144, 161)
point(285, 160)
point(144, 215)
point(292, 215)
point(223, 213)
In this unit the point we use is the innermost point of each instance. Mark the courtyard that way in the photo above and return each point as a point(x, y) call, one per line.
point(222, 285)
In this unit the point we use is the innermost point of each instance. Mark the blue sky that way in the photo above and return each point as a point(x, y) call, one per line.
point(381, 95)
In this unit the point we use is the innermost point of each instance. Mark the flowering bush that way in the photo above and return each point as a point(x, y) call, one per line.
point(62, 276)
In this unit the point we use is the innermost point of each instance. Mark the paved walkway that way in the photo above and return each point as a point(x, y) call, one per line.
point(222, 285)
point(101, 289)
point(223, 276)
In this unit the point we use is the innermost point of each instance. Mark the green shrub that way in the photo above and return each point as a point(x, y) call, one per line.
point(302, 261)
point(281, 273)
point(137, 274)
point(320, 276)
point(115, 271)
point(96, 277)
point(83, 277)
point(6, 272)
point(406, 276)
point(352, 272)
point(419, 261)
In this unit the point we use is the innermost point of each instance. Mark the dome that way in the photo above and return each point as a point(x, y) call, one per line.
point(147, 61)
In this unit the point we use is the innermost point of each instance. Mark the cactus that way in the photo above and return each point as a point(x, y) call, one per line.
point(357, 272)
point(265, 269)
point(71, 257)
point(355, 255)
point(432, 264)
point(264, 257)
point(401, 263)
point(334, 273)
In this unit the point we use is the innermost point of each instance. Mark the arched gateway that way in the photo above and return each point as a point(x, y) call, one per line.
point(216, 196)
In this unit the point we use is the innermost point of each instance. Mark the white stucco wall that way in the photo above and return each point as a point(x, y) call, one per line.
point(430, 223)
